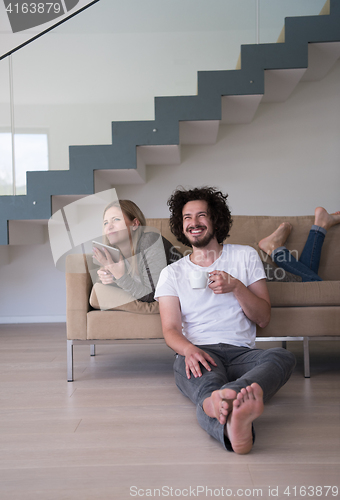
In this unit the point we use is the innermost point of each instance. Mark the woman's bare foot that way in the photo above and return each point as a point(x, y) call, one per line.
point(276, 239)
point(220, 404)
point(324, 219)
point(246, 408)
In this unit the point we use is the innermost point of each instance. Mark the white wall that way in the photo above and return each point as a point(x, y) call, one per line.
point(285, 162)
point(107, 78)
point(108, 63)
point(31, 288)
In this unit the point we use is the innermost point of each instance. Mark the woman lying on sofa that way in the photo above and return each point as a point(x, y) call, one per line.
point(142, 254)
point(308, 265)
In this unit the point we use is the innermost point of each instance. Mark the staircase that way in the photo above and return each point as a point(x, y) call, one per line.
point(308, 48)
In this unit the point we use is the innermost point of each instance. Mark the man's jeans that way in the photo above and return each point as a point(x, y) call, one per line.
point(237, 367)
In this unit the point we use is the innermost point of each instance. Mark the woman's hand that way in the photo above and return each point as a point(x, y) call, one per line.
point(104, 259)
point(105, 277)
point(115, 269)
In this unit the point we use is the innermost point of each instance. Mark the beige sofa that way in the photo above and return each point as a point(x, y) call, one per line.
point(300, 311)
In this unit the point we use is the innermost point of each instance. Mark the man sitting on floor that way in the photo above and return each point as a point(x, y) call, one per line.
point(212, 329)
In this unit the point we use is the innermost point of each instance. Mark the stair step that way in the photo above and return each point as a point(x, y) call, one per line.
point(280, 83)
point(159, 155)
point(321, 58)
point(60, 201)
point(239, 108)
point(105, 178)
point(198, 132)
point(28, 232)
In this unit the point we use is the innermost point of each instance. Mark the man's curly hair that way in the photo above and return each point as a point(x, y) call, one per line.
point(218, 211)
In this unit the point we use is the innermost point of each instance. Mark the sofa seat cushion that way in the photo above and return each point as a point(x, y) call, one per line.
point(317, 293)
point(321, 321)
point(121, 325)
point(111, 298)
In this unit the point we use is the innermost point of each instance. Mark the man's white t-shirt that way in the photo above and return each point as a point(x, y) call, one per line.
point(209, 318)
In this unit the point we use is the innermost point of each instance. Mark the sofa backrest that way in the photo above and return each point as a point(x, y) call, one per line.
point(249, 230)
point(163, 226)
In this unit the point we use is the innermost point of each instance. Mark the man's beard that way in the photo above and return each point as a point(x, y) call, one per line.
point(200, 243)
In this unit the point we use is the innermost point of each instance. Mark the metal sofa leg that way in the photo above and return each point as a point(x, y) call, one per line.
point(69, 361)
point(93, 349)
point(306, 360)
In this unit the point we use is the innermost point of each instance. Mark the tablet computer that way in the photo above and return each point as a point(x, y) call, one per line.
point(114, 252)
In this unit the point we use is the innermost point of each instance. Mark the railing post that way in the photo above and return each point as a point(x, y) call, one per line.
point(306, 360)
point(11, 104)
point(69, 361)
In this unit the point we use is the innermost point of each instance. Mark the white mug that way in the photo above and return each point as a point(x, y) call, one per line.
point(198, 278)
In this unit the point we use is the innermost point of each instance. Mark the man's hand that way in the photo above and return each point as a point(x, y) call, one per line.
point(221, 282)
point(171, 317)
point(254, 299)
point(193, 357)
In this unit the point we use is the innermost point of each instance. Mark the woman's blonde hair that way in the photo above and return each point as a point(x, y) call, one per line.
point(132, 211)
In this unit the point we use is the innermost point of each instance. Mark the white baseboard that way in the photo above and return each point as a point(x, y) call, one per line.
point(31, 319)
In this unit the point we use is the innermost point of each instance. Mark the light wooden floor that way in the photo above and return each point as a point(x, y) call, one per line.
point(123, 424)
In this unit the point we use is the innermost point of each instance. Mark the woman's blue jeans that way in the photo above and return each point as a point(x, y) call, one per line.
point(308, 265)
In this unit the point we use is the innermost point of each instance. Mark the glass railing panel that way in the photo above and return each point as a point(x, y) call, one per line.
point(272, 14)
point(73, 82)
point(108, 63)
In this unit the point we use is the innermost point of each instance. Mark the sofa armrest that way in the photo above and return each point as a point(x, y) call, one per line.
point(78, 289)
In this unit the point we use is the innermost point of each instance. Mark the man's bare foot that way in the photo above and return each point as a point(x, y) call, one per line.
point(246, 408)
point(324, 219)
point(220, 404)
point(276, 239)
